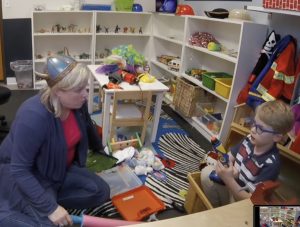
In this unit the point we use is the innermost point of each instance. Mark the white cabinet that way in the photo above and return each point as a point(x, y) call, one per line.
point(88, 36)
point(61, 31)
point(241, 41)
point(122, 28)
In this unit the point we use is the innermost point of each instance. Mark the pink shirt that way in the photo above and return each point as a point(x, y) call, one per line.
point(72, 136)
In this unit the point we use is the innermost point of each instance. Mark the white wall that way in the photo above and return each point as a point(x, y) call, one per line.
point(23, 8)
point(201, 6)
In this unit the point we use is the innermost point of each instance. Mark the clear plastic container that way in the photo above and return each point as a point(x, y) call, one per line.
point(120, 179)
point(23, 73)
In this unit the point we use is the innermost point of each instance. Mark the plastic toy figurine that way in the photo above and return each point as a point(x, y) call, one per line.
point(117, 29)
point(106, 29)
point(132, 29)
point(141, 30)
point(58, 27)
point(98, 28)
point(72, 27)
point(84, 56)
point(125, 29)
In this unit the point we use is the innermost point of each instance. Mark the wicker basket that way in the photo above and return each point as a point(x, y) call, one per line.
point(186, 96)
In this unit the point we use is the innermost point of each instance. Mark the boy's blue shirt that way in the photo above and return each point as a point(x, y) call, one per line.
point(253, 168)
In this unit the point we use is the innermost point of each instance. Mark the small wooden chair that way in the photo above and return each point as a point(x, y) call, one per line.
point(126, 112)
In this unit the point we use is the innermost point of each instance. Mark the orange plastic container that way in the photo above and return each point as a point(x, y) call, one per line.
point(138, 203)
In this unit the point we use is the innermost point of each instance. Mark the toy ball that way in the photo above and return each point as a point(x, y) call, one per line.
point(137, 8)
point(184, 10)
point(239, 14)
point(168, 6)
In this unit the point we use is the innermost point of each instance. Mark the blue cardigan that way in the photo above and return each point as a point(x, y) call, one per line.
point(33, 157)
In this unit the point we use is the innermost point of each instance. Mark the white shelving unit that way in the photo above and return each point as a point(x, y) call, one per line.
point(171, 37)
point(122, 28)
point(92, 33)
point(95, 32)
point(55, 31)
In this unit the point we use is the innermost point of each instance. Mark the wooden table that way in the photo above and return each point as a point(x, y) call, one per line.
point(238, 214)
point(157, 88)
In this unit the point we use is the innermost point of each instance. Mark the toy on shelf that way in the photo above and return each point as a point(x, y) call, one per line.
point(184, 10)
point(166, 6)
point(174, 65)
point(196, 73)
point(165, 59)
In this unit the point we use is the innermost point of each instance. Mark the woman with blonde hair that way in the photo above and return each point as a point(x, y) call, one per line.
point(42, 160)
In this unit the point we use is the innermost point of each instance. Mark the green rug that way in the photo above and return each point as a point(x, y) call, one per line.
point(98, 162)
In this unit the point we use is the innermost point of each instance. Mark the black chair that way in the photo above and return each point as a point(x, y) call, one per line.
point(4, 97)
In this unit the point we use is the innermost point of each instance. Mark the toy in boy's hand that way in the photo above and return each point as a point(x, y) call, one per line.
point(222, 156)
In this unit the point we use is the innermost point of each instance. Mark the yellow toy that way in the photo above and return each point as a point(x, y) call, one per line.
point(146, 78)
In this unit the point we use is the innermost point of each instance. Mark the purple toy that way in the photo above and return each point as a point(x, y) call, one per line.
point(166, 6)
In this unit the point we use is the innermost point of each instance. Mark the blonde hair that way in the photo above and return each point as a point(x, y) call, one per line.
point(277, 115)
point(76, 78)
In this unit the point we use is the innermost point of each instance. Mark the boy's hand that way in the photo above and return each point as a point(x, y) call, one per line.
point(224, 172)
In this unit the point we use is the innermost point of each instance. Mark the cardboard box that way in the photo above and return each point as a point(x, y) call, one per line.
point(282, 4)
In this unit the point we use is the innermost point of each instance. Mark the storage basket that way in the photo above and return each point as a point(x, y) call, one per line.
point(196, 200)
point(186, 96)
point(223, 86)
point(208, 78)
point(282, 4)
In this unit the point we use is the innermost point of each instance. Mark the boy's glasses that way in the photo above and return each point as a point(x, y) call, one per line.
point(260, 129)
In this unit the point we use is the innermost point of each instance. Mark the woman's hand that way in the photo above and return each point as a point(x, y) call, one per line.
point(60, 217)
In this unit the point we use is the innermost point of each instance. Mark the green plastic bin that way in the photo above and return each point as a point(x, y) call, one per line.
point(124, 5)
point(208, 78)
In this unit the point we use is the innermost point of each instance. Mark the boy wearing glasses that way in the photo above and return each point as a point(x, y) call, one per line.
point(255, 159)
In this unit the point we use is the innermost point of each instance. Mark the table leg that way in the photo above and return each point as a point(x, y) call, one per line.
point(105, 117)
point(157, 110)
point(91, 93)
